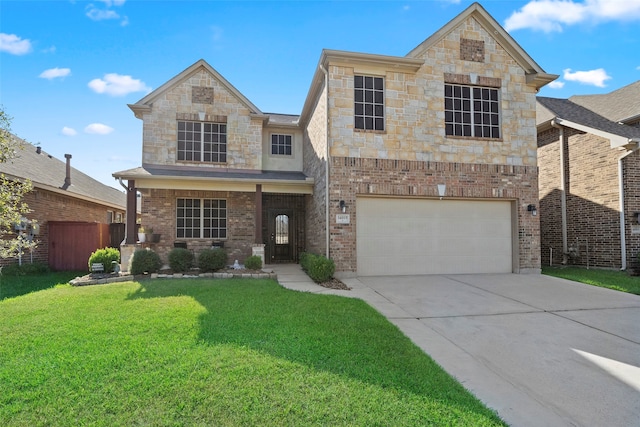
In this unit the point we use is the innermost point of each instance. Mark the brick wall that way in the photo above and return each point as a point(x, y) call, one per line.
point(159, 212)
point(351, 177)
point(49, 206)
point(592, 194)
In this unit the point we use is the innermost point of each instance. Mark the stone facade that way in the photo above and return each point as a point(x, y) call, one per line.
point(592, 200)
point(244, 132)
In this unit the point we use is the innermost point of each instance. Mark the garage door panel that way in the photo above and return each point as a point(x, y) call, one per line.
point(418, 236)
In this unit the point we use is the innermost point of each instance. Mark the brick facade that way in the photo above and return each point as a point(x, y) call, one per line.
point(159, 212)
point(352, 177)
point(50, 206)
point(592, 199)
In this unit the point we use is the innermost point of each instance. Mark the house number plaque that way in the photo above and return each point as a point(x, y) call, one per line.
point(343, 219)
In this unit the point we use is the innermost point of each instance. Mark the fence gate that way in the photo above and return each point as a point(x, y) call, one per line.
point(71, 243)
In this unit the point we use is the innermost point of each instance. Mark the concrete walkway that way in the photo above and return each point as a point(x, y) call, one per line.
point(539, 350)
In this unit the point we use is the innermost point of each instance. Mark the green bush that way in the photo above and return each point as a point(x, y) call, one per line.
point(318, 267)
point(105, 256)
point(212, 259)
point(25, 269)
point(145, 261)
point(180, 259)
point(254, 262)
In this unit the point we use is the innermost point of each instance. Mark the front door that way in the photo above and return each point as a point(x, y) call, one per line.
point(281, 237)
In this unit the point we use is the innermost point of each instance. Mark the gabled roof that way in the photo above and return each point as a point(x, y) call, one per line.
point(48, 173)
point(621, 105)
point(535, 74)
point(144, 105)
point(567, 113)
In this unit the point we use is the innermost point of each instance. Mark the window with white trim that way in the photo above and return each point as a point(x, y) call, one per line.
point(201, 219)
point(281, 144)
point(202, 142)
point(369, 102)
point(471, 111)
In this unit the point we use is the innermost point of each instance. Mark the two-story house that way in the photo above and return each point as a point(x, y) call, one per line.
point(416, 164)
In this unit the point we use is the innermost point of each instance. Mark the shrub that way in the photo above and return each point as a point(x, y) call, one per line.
point(145, 261)
point(180, 259)
point(318, 267)
point(105, 256)
point(212, 259)
point(25, 269)
point(254, 262)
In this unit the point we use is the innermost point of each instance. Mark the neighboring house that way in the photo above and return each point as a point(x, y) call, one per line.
point(416, 164)
point(590, 178)
point(71, 209)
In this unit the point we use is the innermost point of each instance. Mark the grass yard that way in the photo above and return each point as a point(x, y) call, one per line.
point(224, 353)
point(618, 280)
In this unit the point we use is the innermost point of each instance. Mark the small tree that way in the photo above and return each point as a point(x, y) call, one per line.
point(12, 207)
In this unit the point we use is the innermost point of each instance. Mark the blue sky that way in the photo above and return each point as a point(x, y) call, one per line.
point(68, 69)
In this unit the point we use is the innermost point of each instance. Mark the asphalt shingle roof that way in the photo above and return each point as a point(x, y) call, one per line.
point(619, 105)
point(549, 108)
point(45, 170)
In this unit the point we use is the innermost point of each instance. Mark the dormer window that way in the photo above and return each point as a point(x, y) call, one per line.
point(281, 144)
point(202, 141)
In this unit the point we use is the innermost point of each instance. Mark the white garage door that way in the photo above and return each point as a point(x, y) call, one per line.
point(418, 236)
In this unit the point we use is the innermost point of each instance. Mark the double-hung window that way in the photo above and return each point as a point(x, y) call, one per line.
point(369, 102)
point(281, 144)
point(202, 142)
point(471, 111)
point(201, 218)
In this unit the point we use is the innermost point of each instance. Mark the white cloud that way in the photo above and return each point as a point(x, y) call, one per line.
point(554, 15)
point(14, 45)
point(67, 131)
point(53, 73)
point(97, 13)
point(556, 84)
point(98, 129)
point(118, 85)
point(591, 77)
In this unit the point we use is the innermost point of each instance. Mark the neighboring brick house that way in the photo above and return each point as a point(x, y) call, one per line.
point(68, 206)
point(590, 179)
point(357, 175)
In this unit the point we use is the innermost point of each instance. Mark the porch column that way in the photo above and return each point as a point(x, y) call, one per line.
point(258, 231)
point(132, 210)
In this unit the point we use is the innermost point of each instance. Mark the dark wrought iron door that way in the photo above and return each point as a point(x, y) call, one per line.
point(281, 236)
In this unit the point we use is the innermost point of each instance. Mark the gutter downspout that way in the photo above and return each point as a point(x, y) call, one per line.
point(326, 166)
point(563, 194)
point(623, 237)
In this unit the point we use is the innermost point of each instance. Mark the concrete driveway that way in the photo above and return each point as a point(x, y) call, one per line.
point(541, 351)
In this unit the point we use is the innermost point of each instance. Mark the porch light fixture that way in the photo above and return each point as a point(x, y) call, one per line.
point(442, 188)
point(343, 206)
point(201, 115)
point(532, 209)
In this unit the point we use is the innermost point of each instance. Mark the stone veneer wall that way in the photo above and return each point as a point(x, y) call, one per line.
point(351, 177)
point(159, 212)
point(631, 184)
point(315, 158)
point(244, 133)
point(593, 204)
point(414, 107)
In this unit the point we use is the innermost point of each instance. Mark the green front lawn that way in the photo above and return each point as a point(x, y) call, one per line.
point(215, 352)
point(618, 280)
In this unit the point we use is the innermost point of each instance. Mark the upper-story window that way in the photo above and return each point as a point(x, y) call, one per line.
point(471, 111)
point(202, 142)
point(281, 144)
point(369, 102)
